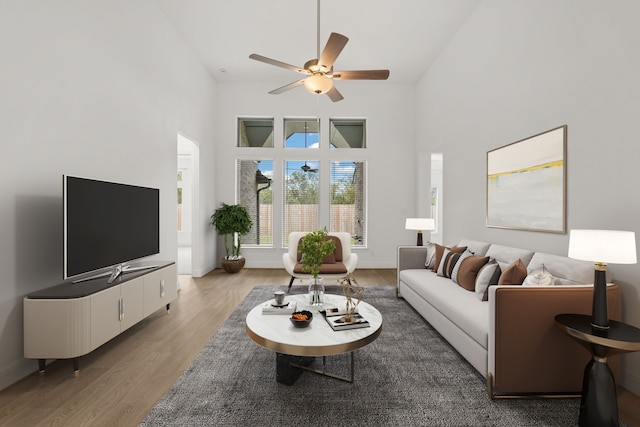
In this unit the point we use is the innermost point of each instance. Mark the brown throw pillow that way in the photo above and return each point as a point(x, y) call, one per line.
point(514, 274)
point(440, 251)
point(468, 271)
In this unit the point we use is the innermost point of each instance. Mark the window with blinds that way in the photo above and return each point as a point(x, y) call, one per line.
point(348, 200)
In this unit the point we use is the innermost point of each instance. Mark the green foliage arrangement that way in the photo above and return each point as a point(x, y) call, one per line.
point(228, 220)
point(313, 246)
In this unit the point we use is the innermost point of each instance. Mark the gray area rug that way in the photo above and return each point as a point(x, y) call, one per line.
point(409, 376)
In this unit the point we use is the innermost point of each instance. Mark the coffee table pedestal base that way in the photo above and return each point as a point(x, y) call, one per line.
point(289, 368)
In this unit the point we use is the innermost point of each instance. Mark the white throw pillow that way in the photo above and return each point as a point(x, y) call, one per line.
point(489, 273)
point(431, 256)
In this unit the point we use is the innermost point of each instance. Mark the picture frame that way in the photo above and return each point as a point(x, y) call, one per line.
point(526, 183)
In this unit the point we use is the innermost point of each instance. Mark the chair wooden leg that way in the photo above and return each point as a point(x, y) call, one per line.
point(290, 283)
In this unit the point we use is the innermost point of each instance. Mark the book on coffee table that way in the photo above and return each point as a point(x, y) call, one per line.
point(270, 307)
point(338, 323)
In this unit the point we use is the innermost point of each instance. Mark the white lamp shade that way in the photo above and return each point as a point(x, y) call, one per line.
point(422, 224)
point(606, 246)
point(318, 83)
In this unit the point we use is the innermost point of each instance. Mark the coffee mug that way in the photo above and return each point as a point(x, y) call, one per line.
point(279, 297)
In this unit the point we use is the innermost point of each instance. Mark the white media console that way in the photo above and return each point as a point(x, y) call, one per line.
point(72, 319)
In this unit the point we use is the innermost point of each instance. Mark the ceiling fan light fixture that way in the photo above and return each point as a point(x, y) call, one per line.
point(318, 83)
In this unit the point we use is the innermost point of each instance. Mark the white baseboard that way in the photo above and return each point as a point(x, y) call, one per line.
point(631, 381)
point(15, 372)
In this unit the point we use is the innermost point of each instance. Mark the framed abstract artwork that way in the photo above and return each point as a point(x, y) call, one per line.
point(526, 183)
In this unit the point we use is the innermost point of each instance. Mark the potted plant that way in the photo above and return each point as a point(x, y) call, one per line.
point(313, 247)
point(232, 220)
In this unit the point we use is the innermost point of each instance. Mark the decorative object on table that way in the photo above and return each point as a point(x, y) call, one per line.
point(232, 220)
point(602, 247)
point(526, 183)
point(540, 277)
point(313, 247)
point(270, 307)
point(301, 319)
point(338, 322)
point(278, 296)
point(352, 292)
point(420, 224)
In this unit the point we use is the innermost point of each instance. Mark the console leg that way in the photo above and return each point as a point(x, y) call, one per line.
point(76, 366)
point(42, 363)
point(168, 307)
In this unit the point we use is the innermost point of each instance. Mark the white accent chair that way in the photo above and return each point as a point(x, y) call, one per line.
point(345, 260)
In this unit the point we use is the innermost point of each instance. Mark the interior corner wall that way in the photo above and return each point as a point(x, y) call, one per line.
point(92, 89)
point(519, 68)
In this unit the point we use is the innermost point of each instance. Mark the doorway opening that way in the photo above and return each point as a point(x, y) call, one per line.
point(187, 202)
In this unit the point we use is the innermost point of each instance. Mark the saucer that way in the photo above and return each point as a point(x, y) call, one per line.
point(284, 304)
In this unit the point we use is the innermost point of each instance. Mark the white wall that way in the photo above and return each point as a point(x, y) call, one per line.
point(389, 111)
point(94, 89)
point(521, 67)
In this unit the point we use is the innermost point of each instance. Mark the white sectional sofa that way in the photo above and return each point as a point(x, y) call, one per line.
point(511, 339)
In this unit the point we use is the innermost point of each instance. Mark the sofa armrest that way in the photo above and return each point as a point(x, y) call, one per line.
point(527, 353)
point(409, 257)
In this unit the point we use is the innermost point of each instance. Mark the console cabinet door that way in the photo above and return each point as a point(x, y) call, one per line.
point(132, 294)
point(152, 292)
point(170, 277)
point(160, 288)
point(105, 316)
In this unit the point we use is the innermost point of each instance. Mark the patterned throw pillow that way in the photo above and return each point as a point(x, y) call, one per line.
point(440, 252)
point(448, 262)
point(487, 276)
point(456, 268)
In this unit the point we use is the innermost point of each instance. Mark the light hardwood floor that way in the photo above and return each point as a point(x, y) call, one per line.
point(121, 381)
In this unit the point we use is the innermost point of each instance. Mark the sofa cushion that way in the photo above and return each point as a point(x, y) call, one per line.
point(454, 302)
point(440, 252)
point(514, 274)
point(506, 255)
point(476, 247)
point(467, 271)
point(487, 276)
point(565, 271)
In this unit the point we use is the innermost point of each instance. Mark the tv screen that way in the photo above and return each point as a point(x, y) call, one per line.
point(107, 224)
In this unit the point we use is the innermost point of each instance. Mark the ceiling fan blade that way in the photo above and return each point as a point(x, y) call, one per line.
point(278, 63)
point(334, 95)
point(334, 46)
point(287, 87)
point(361, 75)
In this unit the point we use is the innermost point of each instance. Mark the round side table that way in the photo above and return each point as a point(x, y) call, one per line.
point(599, 404)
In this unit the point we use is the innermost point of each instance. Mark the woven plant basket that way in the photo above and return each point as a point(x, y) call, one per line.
point(233, 265)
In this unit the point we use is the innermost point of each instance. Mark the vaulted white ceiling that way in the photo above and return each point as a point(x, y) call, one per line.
point(404, 36)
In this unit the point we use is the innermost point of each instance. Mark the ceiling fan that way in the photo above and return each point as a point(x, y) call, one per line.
point(319, 71)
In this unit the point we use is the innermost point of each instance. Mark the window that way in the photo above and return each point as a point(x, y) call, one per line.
point(255, 193)
point(347, 133)
point(301, 133)
point(301, 197)
point(307, 166)
point(255, 132)
point(348, 204)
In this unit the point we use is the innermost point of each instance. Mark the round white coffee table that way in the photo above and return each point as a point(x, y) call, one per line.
point(296, 348)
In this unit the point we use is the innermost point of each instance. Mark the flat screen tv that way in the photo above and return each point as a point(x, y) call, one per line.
point(107, 224)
